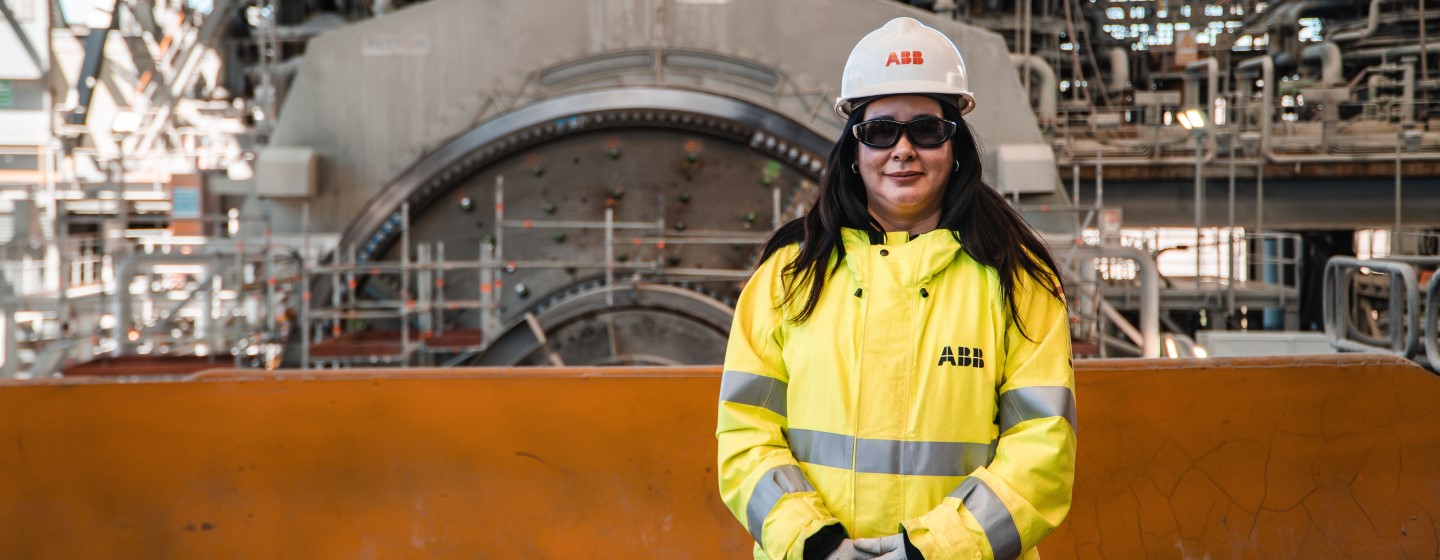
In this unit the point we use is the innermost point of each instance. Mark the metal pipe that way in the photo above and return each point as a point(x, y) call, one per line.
point(1149, 290)
point(305, 279)
point(269, 264)
point(1395, 234)
point(1266, 69)
point(405, 303)
point(1424, 57)
point(609, 256)
point(486, 273)
point(1211, 66)
point(774, 209)
point(1119, 69)
point(121, 308)
point(1350, 158)
point(1407, 96)
point(1099, 180)
point(1075, 180)
point(499, 218)
point(205, 322)
point(1033, 64)
point(1270, 273)
point(439, 319)
point(351, 285)
point(1259, 198)
point(1338, 271)
point(9, 367)
point(1199, 203)
point(1371, 25)
point(1387, 53)
point(1230, 240)
point(1432, 329)
point(1331, 62)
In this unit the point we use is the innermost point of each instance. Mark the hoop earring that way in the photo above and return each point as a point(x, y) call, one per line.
point(856, 170)
point(957, 165)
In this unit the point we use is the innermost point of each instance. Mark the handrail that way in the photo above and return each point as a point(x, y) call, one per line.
point(1432, 334)
point(1336, 314)
point(1149, 277)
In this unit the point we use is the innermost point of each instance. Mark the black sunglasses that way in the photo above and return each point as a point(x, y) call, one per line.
point(927, 132)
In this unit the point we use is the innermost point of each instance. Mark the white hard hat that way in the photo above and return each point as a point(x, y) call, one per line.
point(904, 56)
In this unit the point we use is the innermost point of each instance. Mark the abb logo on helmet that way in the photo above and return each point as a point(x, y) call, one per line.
point(905, 57)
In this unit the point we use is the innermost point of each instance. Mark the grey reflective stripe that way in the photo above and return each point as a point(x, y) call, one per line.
point(1029, 403)
point(755, 390)
point(884, 456)
point(929, 458)
point(821, 448)
point(776, 482)
point(994, 518)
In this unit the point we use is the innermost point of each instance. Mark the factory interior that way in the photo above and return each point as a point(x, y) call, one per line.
point(401, 278)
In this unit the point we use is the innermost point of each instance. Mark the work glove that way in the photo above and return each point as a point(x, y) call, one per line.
point(883, 548)
point(847, 551)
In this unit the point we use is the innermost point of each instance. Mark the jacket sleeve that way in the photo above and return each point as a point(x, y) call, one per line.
point(759, 479)
point(1006, 508)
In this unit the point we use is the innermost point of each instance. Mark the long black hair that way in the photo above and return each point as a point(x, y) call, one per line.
point(991, 231)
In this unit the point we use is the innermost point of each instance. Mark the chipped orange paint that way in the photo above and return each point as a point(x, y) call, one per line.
point(1317, 457)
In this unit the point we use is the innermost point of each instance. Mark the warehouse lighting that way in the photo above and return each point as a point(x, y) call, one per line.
point(1191, 119)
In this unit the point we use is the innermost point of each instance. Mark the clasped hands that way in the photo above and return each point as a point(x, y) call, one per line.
point(882, 548)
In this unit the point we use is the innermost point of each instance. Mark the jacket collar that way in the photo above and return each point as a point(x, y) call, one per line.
point(924, 255)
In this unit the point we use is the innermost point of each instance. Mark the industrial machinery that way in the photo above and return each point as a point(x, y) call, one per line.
point(600, 196)
point(438, 182)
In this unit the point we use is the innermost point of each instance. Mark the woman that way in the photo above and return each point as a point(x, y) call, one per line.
point(898, 371)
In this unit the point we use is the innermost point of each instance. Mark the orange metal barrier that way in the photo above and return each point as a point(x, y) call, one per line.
point(444, 464)
point(1311, 457)
point(1284, 457)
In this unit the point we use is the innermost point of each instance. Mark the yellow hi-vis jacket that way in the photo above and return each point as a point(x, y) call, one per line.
point(908, 399)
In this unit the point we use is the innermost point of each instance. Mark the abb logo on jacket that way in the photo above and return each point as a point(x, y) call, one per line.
point(963, 356)
point(905, 57)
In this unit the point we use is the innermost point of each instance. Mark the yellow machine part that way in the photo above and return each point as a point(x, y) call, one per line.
point(1318, 457)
